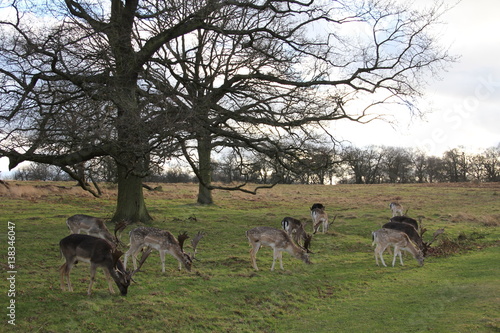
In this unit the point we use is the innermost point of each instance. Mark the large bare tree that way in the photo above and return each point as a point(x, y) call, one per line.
point(141, 80)
point(263, 79)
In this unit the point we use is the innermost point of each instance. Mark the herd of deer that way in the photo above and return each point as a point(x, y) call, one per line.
point(99, 247)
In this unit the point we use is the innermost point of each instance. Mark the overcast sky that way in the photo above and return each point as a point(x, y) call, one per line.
point(465, 100)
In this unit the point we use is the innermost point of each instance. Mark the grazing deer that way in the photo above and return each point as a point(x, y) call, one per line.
point(164, 242)
point(396, 208)
point(409, 230)
point(407, 225)
point(386, 237)
point(279, 241)
point(295, 229)
point(99, 253)
point(92, 226)
point(319, 218)
point(405, 219)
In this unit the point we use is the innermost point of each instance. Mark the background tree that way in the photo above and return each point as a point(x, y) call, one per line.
point(397, 164)
point(108, 79)
point(490, 163)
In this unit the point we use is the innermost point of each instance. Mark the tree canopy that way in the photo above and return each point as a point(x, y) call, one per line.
point(143, 81)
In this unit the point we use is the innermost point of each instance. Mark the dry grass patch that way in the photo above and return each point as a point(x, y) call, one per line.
point(485, 220)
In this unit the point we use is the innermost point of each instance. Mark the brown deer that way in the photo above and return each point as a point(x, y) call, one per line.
point(278, 240)
point(386, 237)
point(99, 253)
point(295, 229)
point(319, 218)
point(164, 242)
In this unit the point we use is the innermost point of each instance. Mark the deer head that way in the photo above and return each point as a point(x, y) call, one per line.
point(194, 243)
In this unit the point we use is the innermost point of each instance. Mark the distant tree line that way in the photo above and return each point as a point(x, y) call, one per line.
point(349, 165)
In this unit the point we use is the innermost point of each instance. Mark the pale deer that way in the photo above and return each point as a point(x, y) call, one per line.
point(99, 253)
point(279, 241)
point(319, 218)
point(409, 230)
point(386, 237)
point(414, 231)
point(396, 209)
point(164, 242)
point(92, 226)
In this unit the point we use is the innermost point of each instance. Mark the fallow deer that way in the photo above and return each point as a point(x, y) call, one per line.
point(396, 209)
point(409, 230)
point(295, 229)
point(407, 225)
point(92, 226)
point(405, 219)
point(386, 237)
point(99, 253)
point(164, 242)
point(319, 218)
point(278, 240)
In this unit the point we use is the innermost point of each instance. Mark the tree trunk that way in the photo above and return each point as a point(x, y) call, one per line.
point(205, 169)
point(130, 204)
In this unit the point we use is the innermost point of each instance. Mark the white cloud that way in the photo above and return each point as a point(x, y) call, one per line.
point(465, 103)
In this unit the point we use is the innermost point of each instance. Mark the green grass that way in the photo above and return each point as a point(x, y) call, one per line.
point(342, 291)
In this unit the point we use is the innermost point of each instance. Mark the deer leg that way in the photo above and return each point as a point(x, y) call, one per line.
point(67, 270)
point(397, 251)
point(380, 253)
point(133, 253)
point(65, 273)
point(315, 228)
point(280, 256)
point(275, 255)
point(401, 257)
point(110, 282)
point(162, 258)
point(253, 255)
point(92, 278)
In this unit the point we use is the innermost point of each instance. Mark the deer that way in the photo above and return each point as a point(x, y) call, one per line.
point(407, 225)
point(386, 237)
point(405, 219)
point(396, 208)
point(319, 218)
point(279, 241)
point(91, 226)
point(295, 229)
point(409, 230)
point(99, 253)
point(163, 241)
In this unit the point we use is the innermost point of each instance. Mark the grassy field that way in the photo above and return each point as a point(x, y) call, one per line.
point(457, 290)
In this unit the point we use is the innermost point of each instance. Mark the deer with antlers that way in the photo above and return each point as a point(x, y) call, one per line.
point(279, 241)
point(163, 241)
point(93, 226)
point(99, 253)
point(295, 229)
point(414, 230)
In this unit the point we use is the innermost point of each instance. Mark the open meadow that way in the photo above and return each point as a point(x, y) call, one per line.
point(457, 289)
